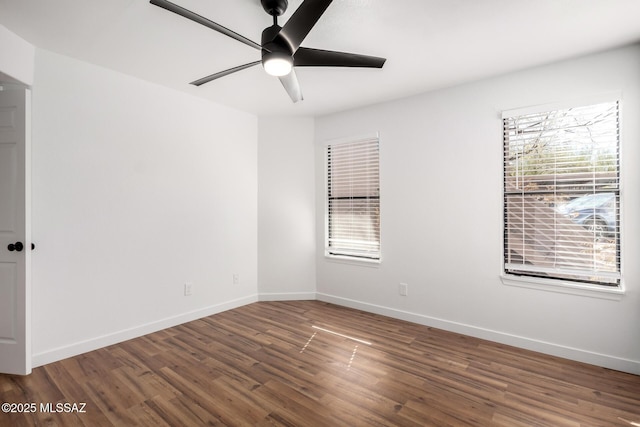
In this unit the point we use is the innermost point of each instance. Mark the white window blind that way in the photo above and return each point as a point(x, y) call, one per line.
point(562, 194)
point(353, 199)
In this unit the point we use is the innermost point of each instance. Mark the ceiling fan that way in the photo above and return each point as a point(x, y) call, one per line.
point(280, 46)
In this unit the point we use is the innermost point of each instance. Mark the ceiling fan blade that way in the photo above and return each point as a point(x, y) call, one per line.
point(291, 85)
point(204, 21)
point(307, 57)
point(302, 21)
point(223, 73)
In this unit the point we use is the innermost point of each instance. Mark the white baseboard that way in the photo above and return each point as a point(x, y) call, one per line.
point(287, 296)
point(607, 361)
point(603, 360)
point(75, 349)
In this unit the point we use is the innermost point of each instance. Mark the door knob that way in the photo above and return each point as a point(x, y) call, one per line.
point(17, 246)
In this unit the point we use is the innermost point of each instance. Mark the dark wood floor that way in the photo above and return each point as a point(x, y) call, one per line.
point(270, 364)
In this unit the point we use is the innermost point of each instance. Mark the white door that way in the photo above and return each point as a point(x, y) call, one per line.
point(15, 231)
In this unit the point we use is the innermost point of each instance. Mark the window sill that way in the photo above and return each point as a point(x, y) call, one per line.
point(341, 259)
point(564, 287)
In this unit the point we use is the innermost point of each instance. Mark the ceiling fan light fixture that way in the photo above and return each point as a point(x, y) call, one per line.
point(277, 63)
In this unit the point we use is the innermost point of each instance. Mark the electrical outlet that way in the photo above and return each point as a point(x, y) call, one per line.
point(188, 288)
point(403, 289)
point(236, 278)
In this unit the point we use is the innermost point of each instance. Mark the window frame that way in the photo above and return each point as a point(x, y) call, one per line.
point(567, 286)
point(348, 258)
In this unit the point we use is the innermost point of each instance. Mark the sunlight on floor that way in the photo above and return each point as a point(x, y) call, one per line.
point(635, 424)
point(355, 347)
point(341, 335)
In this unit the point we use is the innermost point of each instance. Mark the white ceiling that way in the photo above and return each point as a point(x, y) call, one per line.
point(428, 44)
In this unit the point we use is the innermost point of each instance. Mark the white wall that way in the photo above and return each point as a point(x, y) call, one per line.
point(137, 189)
point(286, 201)
point(16, 58)
point(441, 195)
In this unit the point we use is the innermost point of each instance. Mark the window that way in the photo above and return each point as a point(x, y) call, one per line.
point(562, 194)
point(353, 199)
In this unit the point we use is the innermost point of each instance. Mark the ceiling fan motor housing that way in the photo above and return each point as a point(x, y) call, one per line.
point(274, 47)
point(272, 41)
point(274, 7)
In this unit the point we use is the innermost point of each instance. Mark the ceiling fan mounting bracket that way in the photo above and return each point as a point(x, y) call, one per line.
point(274, 7)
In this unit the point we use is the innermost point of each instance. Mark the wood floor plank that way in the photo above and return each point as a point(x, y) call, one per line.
point(268, 364)
point(144, 416)
point(146, 384)
point(292, 406)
